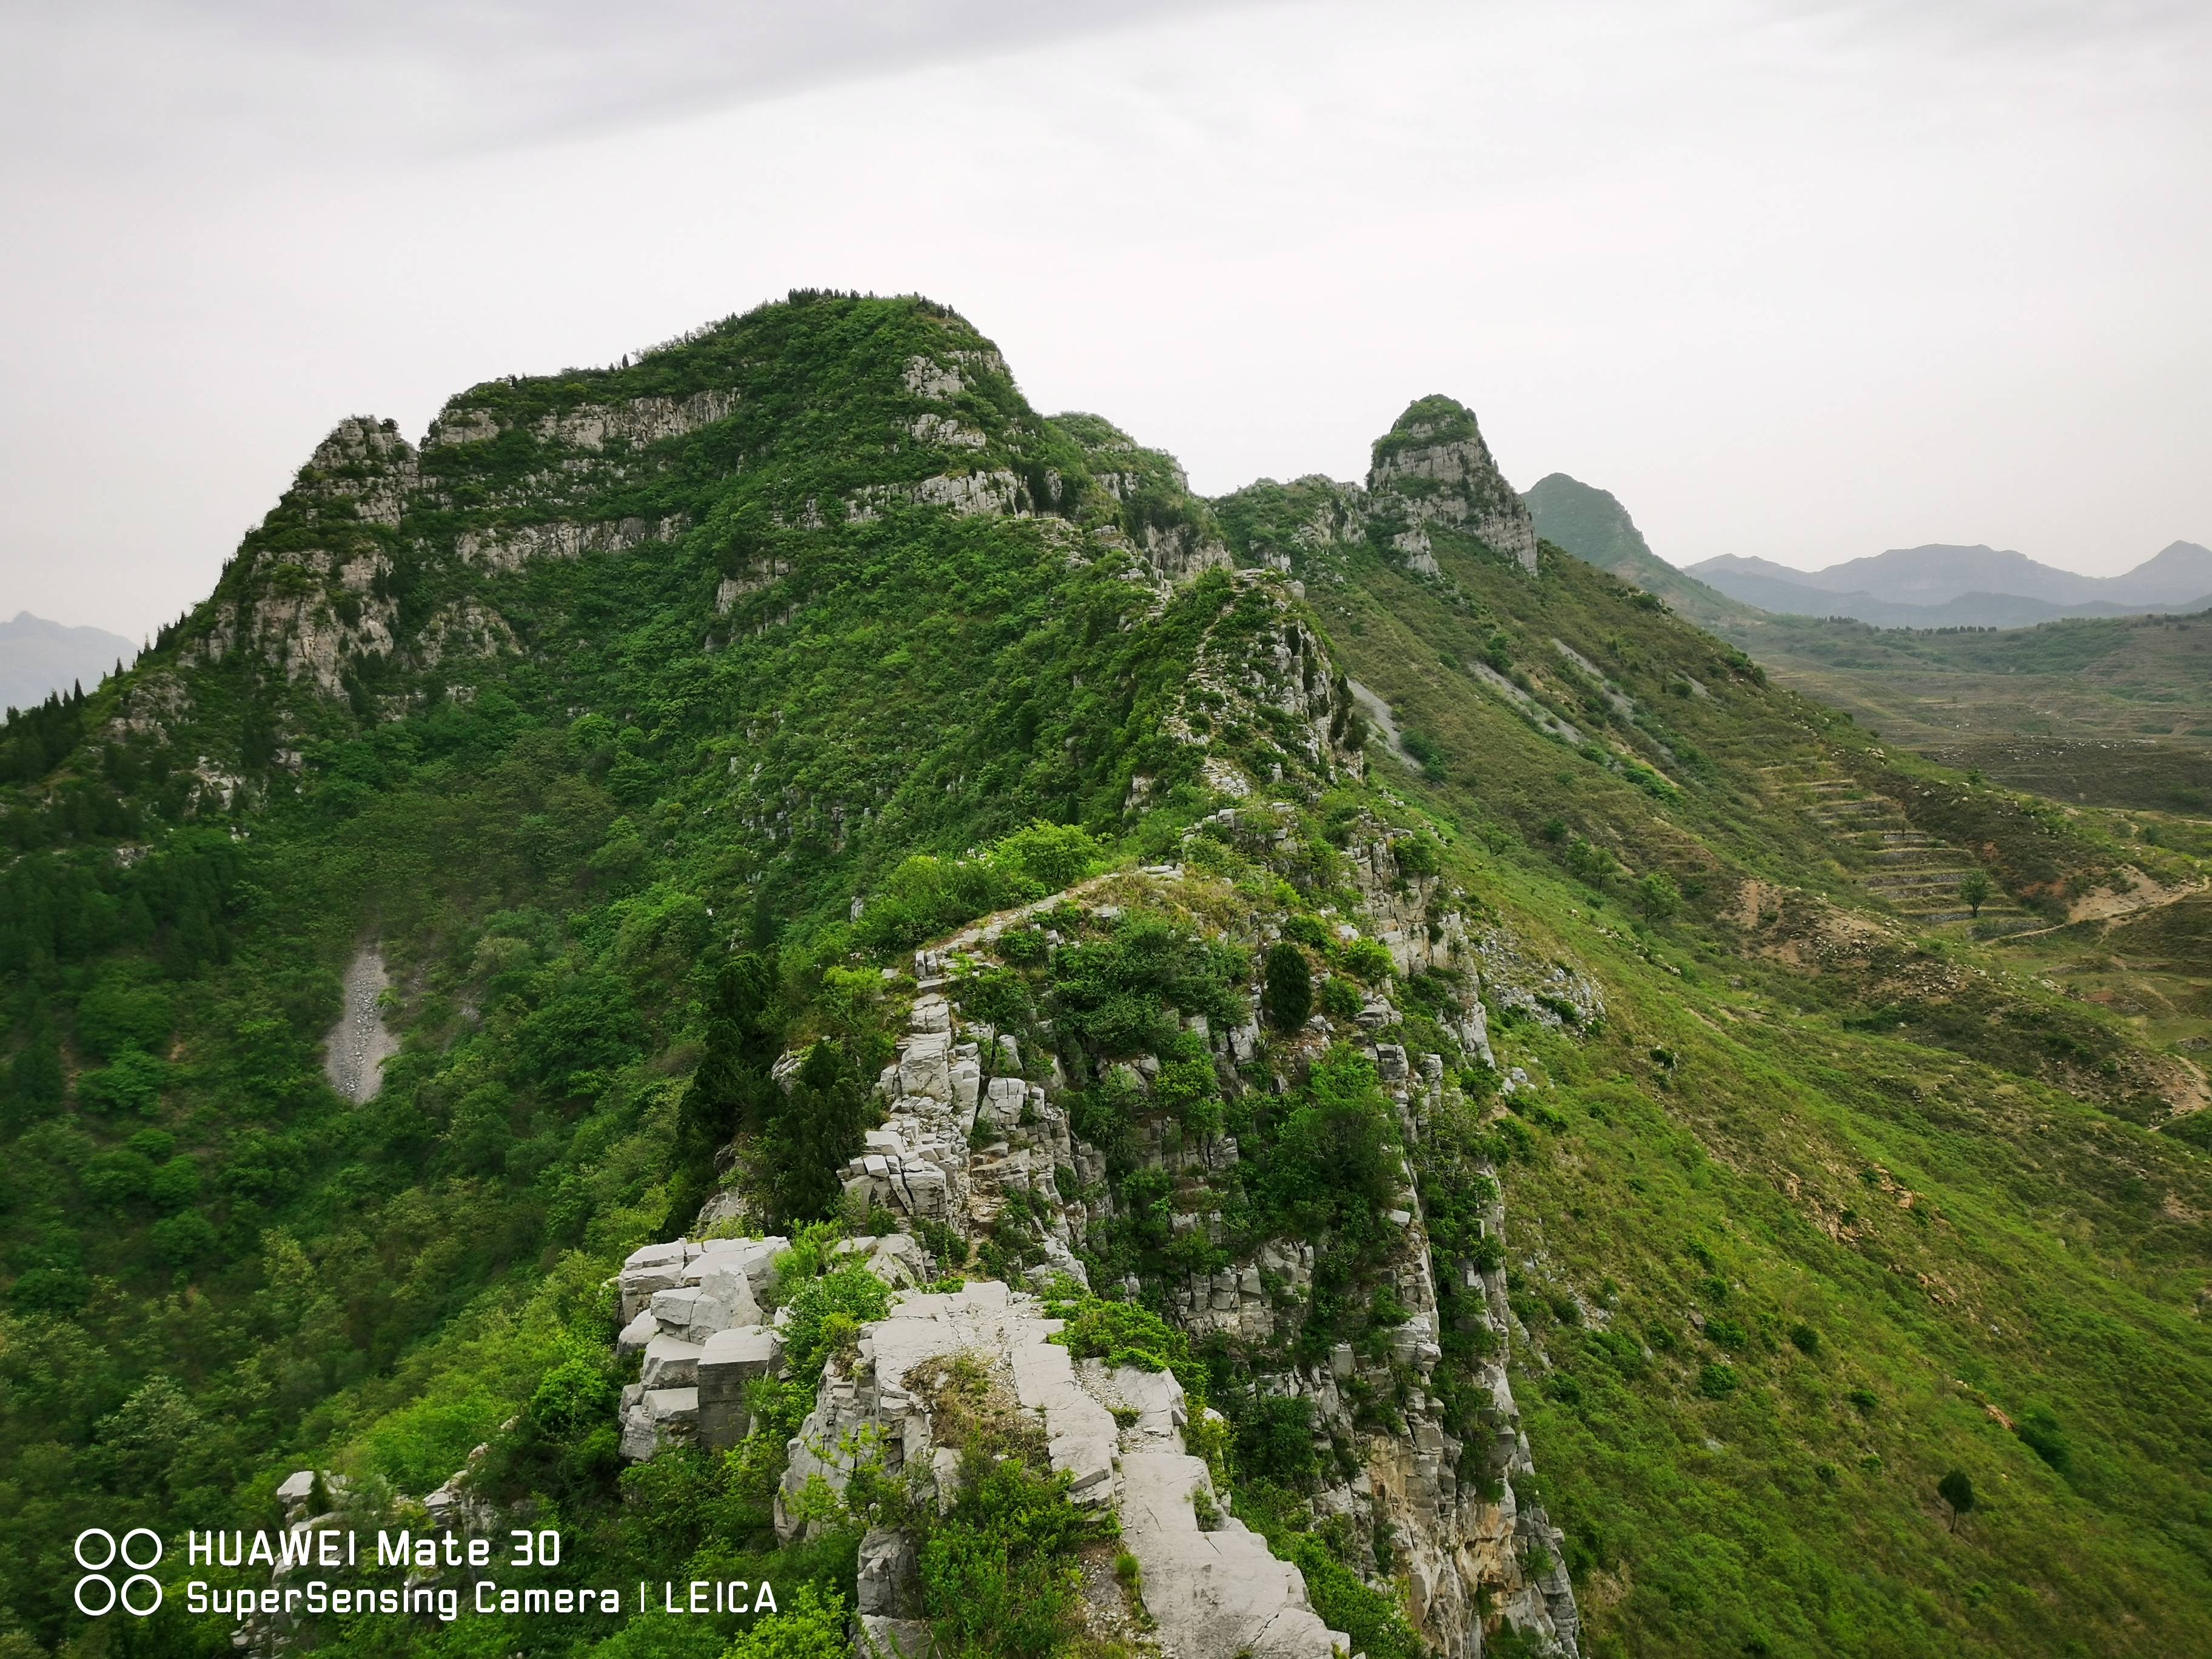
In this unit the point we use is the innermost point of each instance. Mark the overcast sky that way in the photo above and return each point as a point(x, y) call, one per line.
point(1795, 279)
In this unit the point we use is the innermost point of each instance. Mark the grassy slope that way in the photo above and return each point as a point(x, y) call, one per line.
point(542, 879)
point(2111, 713)
point(1592, 525)
point(2062, 1249)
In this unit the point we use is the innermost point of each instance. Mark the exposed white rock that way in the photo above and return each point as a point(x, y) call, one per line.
point(462, 426)
point(639, 420)
point(946, 433)
point(366, 465)
point(996, 492)
point(356, 1047)
point(968, 1141)
point(510, 547)
point(1218, 1592)
point(730, 1362)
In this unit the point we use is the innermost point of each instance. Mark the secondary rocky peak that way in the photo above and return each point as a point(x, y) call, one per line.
point(1433, 468)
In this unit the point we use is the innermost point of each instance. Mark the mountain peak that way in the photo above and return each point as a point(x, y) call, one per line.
point(1432, 467)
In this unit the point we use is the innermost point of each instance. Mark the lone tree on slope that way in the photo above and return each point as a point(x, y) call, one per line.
point(1976, 890)
point(1956, 1490)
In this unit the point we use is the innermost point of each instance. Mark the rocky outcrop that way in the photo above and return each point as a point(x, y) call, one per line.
point(510, 547)
point(1277, 678)
point(1433, 468)
point(691, 1310)
point(943, 379)
point(996, 492)
point(955, 1087)
point(942, 432)
point(358, 1045)
point(1116, 1434)
point(639, 421)
point(365, 468)
point(975, 1141)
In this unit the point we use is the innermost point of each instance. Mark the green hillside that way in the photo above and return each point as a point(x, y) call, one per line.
point(2108, 712)
point(646, 720)
point(1593, 526)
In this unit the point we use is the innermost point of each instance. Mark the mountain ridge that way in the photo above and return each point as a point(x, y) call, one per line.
point(1944, 586)
point(649, 721)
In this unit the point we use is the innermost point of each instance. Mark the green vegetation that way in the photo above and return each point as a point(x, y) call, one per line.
point(1288, 999)
point(2110, 712)
point(1799, 1216)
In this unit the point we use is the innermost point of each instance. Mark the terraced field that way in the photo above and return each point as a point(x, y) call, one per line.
point(1917, 875)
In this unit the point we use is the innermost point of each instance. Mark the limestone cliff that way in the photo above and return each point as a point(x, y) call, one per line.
point(1433, 468)
point(976, 1145)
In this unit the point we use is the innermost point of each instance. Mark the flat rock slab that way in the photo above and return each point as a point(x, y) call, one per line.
point(1212, 1592)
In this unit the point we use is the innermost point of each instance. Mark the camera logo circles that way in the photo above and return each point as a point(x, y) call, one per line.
point(98, 1551)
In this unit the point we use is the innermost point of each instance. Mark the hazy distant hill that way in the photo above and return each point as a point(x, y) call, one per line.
point(1591, 524)
point(1945, 586)
point(37, 657)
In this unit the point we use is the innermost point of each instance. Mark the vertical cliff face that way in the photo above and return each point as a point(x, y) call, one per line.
point(1432, 468)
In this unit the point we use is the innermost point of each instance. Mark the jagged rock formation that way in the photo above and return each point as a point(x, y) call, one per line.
point(691, 1309)
point(1432, 473)
point(1433, 468)
point(1159, 514)
point(977, 1138)
point(1209, 1592)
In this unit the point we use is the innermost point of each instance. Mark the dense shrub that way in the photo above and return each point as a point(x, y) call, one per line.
point(1287, 998)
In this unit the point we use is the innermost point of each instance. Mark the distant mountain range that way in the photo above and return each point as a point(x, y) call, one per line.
point(37, 657)
point(1941, 586)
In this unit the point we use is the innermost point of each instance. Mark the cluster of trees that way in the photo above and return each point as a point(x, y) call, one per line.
point(796, 1134)
point(35, 740)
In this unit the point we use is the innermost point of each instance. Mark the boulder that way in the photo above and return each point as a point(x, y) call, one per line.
point(671, 1363)
point(297, 1494)
point(924, 1068)
point(639, 1284)
point(729, 1363)
point(1002, 1102)
point(881, 1637)
point(724, 1298)
point(656, 1418)
point(1218, 1592)
point(967, 1077)
point(1080, 1432)
point(889, 1582)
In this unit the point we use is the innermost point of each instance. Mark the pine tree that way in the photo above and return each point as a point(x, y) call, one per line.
point(1288, 997)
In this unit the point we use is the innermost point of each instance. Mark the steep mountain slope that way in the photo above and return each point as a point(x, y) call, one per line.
point(644, 719)
point(1593, 526)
